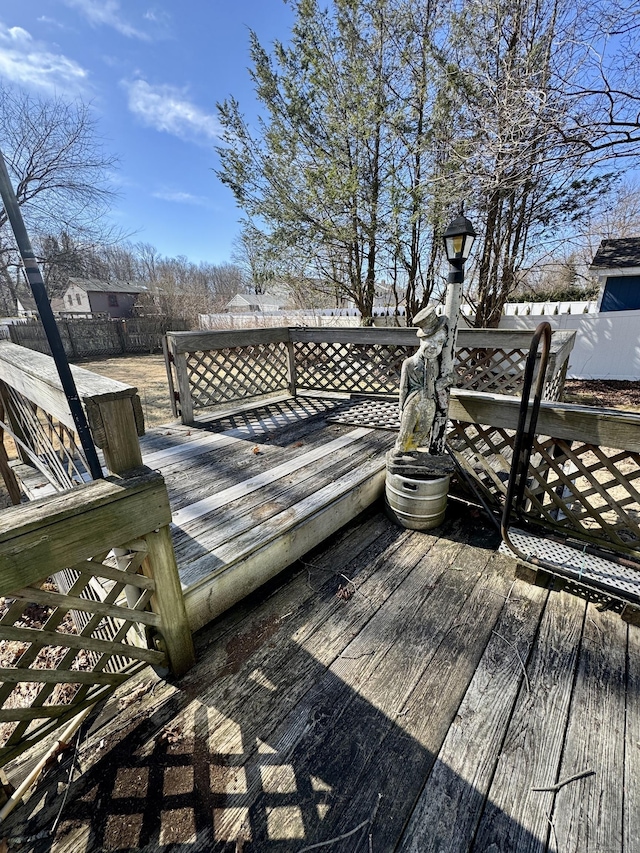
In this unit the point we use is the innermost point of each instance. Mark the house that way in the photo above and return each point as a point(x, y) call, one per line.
point(88, 296)
point(617, 264)
point(243, 303)
point(26, 305)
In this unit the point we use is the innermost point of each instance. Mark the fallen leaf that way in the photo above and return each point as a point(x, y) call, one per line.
point(256, 449)
point(138, 693)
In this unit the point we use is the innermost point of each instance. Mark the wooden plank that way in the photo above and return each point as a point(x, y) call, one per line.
point(184, 389)
point(414, 725)
point(183, 342)
point(200, 478)
point(336, 732)
point(446, 815)
point(34, 375)
point(207, 505)
point(236, 518)
point(115, 422)
point(214, 585)
point(631, 779)
point(515, 818)
point(605, 427)
point(40, 538)
point(218, 560)
point(342, 335)
point(587, 814)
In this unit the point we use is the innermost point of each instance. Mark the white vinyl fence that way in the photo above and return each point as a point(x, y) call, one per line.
point(607, 345)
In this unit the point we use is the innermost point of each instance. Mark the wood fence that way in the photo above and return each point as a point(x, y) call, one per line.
point(82, 338)
point(214, 369)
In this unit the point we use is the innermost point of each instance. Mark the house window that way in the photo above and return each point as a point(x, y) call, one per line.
point(113, 300)
point(78, 299)
point(70, 298)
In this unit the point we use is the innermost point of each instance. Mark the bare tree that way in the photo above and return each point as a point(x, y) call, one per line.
point(59, 170)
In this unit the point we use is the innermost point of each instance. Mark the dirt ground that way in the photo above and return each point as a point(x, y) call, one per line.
point(604, 393)
point(147, 373)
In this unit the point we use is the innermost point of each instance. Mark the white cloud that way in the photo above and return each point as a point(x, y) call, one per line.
point(183, 198)
point(167, 108)
point(106, 13)
point(29, 63)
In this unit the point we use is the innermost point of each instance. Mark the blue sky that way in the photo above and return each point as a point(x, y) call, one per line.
point(153, 72)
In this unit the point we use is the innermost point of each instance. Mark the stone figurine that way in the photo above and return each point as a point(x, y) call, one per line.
point(423, 386)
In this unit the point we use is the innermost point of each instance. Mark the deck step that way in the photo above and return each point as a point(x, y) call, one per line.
point(218, 579)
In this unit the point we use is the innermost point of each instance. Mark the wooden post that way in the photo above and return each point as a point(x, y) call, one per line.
point(168, 600)
point(292, 366)
point(168, 361)
point(182, 375)
point(115, 424)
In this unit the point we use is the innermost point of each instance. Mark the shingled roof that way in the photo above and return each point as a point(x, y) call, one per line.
point(611, 254)
point(93, 285)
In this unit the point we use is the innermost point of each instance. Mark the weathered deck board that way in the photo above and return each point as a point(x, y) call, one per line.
point(587, 814)
point(258, 489)
point(452, 800)
point(305, 705)
point(515, 818)
point(631, 781)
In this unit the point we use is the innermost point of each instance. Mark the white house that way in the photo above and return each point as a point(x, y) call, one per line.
point(244, 303)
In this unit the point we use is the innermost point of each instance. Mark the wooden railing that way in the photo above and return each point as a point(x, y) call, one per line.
point(217, 369)
point(35, 413)
point(123, 609)
point(584, 475)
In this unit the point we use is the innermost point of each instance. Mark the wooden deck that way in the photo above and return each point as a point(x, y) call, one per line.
point(398, 691)
point(252, 491)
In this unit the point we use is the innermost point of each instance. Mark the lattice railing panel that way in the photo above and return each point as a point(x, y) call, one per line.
point(43, 442)
point(498, 371)
point(235, 373)
point(582, 489)
point(349, 367)
point(60, 652)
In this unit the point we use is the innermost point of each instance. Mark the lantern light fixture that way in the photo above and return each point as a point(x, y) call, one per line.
point(458, 239)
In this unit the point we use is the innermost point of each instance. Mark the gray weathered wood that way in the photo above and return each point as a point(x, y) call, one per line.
point(587, 814)
point(631, 780)
point(184, 389)
point(605, 427)
point(113, 425)
point(515, 818)
point(450, 805)
point(217, 581)
point(168, 601)
point(183, 342)
point(34, 375)
point(42, 537)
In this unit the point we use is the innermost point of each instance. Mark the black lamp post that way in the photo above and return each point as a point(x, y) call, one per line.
point(458, 240)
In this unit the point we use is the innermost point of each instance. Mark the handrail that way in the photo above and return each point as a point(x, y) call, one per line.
point(113, 408)
point(525, 433)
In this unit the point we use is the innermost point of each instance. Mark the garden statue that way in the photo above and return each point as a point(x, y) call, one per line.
point(418, 472)
point(423, 387)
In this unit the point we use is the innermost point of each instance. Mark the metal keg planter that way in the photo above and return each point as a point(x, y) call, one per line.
point(417, 503)
point(416, 489)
